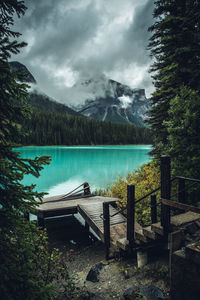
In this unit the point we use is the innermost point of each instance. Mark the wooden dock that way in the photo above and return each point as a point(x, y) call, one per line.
point(91, 209)
point(59, 205)
point(119, 232)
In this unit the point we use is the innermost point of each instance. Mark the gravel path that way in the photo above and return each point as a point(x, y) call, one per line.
point(117, 274)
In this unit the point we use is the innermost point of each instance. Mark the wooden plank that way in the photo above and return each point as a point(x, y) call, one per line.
point(130, 213)
point(165, 192)
point(97, 229)
point(181, 191)
point(153, 209)
point(56, 212)
point(180, 205)
point(48, 204)
point(118, 222)
point(106, 227)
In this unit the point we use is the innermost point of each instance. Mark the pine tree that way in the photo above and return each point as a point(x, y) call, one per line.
point(18, 257)
point(183, 133)
point(174, 45)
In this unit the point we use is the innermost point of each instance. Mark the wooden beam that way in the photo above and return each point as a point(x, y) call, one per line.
point(181, 190)
point(27, 216)
point(56, 212)
point(153, 209)
point(94, 226)
point(86, 188)
point(130, 214)
point(180, 206)
point(165, 192)
point(106, 225)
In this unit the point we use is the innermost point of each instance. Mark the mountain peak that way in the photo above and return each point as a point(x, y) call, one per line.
point(23, 74)
point(108, 100)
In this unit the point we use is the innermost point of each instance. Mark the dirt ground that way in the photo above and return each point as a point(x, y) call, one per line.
point(116, 276)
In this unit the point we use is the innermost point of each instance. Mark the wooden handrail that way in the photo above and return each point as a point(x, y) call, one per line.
point(181, 206)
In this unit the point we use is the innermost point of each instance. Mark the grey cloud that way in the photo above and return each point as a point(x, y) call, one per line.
point(63, 34)
point(136, 38)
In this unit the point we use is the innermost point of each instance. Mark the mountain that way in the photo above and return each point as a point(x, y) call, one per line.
point(101, 99)
point(53, 123)
point(109, 100)
point(38, 99)
point(22, 72)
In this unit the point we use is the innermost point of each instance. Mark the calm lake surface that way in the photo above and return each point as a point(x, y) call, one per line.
point(71, 166)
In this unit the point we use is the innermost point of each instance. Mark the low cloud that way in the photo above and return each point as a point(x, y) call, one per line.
point(69, 41)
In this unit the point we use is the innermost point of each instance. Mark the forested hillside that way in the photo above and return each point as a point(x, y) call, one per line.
point(175, 114)
point(43, 103)
point(50, 128)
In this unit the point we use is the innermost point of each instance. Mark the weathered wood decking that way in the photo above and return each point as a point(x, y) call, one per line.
point(112, 227)
point(59, 206)
point(91, 209)
point(93, 215)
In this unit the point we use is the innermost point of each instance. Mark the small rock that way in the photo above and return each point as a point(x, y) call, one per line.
point(149, 292)
point(131, 293)
point(93, 274)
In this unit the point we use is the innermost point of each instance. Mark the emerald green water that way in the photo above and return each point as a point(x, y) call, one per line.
point(98, 165)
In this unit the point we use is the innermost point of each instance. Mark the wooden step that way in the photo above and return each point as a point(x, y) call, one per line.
point(184, 218)
point(149, 233)
point(177, 221)
point(157, 228)
point(123, 244)
point(139, 235)
point(192, 252)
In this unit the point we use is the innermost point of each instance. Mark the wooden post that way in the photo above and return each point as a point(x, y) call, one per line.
point(26, 216)
point(165, 192)
point(87, 228)
point(181, 191)
point(153, 209)
point(40, 222)
point(130, 214)
point(86, 189)
point(106, 225)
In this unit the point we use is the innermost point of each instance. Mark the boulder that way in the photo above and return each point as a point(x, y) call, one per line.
point(93, 274)
point(149, 292)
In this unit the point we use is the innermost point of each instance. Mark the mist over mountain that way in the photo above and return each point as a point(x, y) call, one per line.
point(38, 99)
point(98, 98)
point(104, 99)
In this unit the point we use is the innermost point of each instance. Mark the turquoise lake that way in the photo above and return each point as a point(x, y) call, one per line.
point(71, 166)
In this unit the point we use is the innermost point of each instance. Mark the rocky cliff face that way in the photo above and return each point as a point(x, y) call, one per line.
point(23, 73)
point(38, 99)
point(112, 101)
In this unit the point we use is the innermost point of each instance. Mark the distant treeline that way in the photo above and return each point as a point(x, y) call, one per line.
point(50, 128)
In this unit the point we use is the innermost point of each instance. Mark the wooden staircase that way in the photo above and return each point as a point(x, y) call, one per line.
point(132, 235)
point(146, 237)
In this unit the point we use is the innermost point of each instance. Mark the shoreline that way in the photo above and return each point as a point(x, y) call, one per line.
point(108, 145)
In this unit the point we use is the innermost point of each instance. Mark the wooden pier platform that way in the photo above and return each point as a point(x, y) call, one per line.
point(59, 205)
point(93, 215)
point(91, 209)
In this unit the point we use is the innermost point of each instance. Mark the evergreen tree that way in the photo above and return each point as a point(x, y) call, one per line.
point(183, 133)
point(20, 278)
point(174, 45)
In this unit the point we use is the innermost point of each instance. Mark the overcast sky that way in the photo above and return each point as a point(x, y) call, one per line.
point(71, 39)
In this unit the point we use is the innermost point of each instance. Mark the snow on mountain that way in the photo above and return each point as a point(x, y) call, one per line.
point(104, 99)
point(98, 97)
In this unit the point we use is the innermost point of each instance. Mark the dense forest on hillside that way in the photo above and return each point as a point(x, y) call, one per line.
point(50, 128)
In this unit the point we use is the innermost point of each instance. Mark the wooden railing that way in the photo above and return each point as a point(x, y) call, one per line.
point(165, 201)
